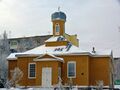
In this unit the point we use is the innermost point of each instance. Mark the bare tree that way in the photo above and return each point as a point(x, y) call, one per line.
point(4, 52)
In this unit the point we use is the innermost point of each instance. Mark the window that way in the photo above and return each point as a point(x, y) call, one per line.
point(31, 71)
point(57, 29)
point(59, 71)
point(13, 43)
point(71, 69)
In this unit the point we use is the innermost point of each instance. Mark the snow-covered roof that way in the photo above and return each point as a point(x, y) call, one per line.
point(54, 38)
point(59, 50)
point(54, 50)
point(12, 56)
point(102, 53)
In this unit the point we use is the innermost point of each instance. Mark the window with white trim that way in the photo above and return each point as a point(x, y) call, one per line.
point(71, 69)
point(31, 71)
point(57, 29)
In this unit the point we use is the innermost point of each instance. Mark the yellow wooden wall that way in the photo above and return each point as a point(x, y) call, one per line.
point(89, 70)
point(62, 27)
point(11, 66)
point(53, 44)
point(23, 63)
point(82, 66)
point(100, 70)
point(53, 65)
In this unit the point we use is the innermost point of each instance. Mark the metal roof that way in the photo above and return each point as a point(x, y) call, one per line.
point(58, 16)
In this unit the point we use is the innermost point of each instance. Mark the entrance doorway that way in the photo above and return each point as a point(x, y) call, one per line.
point(46, 76)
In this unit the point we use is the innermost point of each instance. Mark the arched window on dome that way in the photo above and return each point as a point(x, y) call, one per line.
point(57, 29)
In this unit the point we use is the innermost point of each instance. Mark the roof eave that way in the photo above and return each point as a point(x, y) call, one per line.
point(27, 55)
point(11, 59)
point(48, 59)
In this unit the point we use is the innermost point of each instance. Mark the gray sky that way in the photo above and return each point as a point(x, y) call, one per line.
point(96, 22)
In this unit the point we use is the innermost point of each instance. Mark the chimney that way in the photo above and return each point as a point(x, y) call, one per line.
point(93, 50)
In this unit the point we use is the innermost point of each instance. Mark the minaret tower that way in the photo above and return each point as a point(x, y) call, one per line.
point(58, 20)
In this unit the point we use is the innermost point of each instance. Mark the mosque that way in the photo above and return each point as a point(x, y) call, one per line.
point(61, 57)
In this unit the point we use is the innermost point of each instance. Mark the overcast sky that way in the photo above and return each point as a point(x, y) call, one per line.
point(96, 22)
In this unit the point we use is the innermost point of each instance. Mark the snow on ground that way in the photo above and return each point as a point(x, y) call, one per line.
point(26, 89)
point(32, 89)
point(117, 86)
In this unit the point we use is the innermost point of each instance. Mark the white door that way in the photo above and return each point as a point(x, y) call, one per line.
point(46, 76)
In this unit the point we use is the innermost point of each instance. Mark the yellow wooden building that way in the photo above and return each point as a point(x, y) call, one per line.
point(62, 57)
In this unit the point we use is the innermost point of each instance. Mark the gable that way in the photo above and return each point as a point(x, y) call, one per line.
point(48, 57)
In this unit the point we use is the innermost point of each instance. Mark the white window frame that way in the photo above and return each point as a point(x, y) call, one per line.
point(13, 44)
point(57, 33)
point(29, 71)
point(74, 62)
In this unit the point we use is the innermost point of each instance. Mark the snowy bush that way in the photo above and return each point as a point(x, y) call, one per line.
point(16, 76)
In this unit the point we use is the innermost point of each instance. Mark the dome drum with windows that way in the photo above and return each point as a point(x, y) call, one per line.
point(58, 19)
